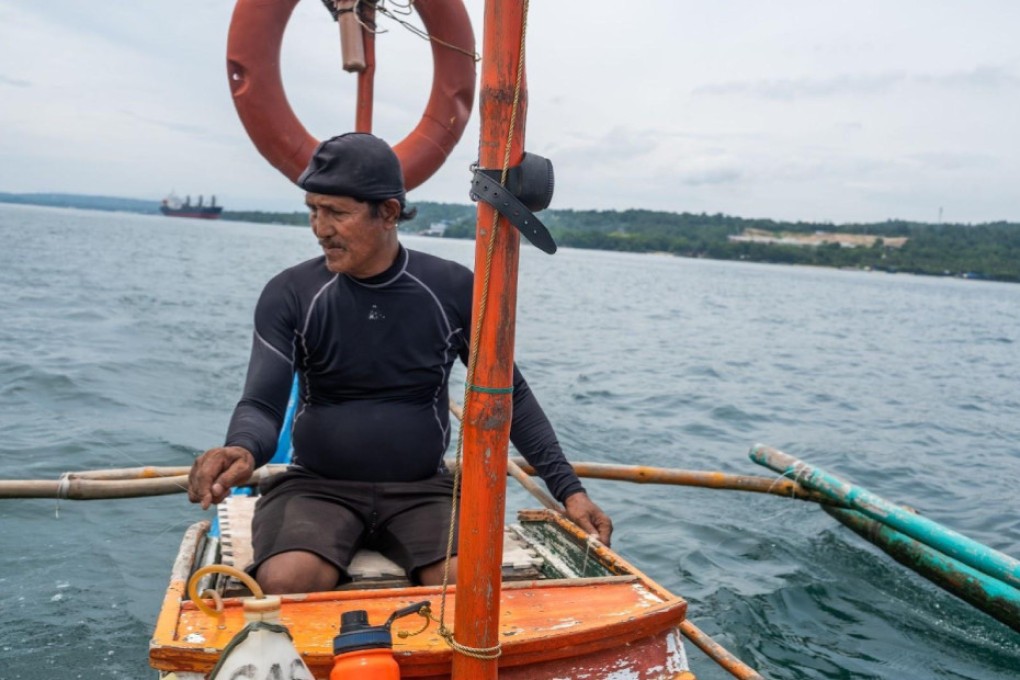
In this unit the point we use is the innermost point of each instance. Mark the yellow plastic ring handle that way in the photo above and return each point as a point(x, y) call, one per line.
point(220, 569)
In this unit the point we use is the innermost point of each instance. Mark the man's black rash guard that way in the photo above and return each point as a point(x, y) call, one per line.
point(373, 358)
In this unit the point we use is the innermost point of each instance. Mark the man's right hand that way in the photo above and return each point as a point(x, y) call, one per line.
point(215, 471)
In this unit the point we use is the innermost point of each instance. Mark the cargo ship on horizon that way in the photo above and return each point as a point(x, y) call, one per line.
point(172, 206)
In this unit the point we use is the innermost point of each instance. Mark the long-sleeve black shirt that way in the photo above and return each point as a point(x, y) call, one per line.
point(373, 358)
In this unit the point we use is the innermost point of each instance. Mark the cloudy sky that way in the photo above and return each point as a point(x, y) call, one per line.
point(802, 110)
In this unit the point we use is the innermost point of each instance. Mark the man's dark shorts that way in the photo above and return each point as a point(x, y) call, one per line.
point(408, 522)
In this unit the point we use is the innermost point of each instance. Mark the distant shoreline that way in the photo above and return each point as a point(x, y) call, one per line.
point(988, 251)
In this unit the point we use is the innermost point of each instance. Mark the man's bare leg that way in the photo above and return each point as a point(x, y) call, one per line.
point(297, 571)
point(432, 575)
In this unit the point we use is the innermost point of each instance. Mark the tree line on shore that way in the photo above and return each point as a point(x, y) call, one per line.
point(990, 250)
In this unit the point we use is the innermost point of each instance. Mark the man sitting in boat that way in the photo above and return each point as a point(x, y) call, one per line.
point(371, 329)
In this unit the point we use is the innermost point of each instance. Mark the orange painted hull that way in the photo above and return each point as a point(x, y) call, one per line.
point(555, 628)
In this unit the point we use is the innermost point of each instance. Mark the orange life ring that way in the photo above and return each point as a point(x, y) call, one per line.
point(253, 67)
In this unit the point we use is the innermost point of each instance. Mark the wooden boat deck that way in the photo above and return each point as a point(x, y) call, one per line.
point(589, 612)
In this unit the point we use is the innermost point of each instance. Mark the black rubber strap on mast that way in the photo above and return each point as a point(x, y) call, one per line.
point(488, 189)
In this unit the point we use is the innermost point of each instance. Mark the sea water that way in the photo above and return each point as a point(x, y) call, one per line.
point(124, 340)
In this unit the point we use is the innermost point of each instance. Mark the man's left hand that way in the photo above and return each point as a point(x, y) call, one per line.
point(584, 513)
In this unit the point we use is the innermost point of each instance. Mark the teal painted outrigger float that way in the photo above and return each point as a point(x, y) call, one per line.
point(974, 572)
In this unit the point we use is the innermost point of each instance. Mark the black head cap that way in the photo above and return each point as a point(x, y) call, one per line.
point(357, 164)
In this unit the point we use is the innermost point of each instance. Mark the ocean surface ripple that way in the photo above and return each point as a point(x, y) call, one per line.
point(124, 340)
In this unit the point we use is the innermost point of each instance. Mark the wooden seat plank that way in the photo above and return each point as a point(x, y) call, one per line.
point(368, 568)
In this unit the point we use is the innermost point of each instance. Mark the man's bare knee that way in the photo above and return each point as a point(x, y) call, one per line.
point(432, 574)
point(296, 572)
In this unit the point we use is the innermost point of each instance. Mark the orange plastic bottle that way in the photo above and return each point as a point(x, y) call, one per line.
point(365, 652)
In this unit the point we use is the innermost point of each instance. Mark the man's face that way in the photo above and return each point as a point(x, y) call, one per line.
point(355, 242)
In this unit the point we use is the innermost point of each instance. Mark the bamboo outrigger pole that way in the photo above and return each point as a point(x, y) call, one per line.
point(489, 403)
point(706, 479)
point(139, 482)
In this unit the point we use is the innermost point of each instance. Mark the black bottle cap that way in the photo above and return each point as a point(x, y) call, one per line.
point(356, 634)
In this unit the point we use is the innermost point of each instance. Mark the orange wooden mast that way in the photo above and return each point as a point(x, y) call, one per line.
point(490, 400)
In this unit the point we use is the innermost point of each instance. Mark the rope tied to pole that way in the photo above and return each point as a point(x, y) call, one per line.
point(477, 652)
point(474, 652)
point(64, 486)
point(394, 14)
point(423, 34)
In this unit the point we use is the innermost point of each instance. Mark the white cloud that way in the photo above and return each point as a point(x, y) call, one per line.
point(847, 85)
point(798, 110)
